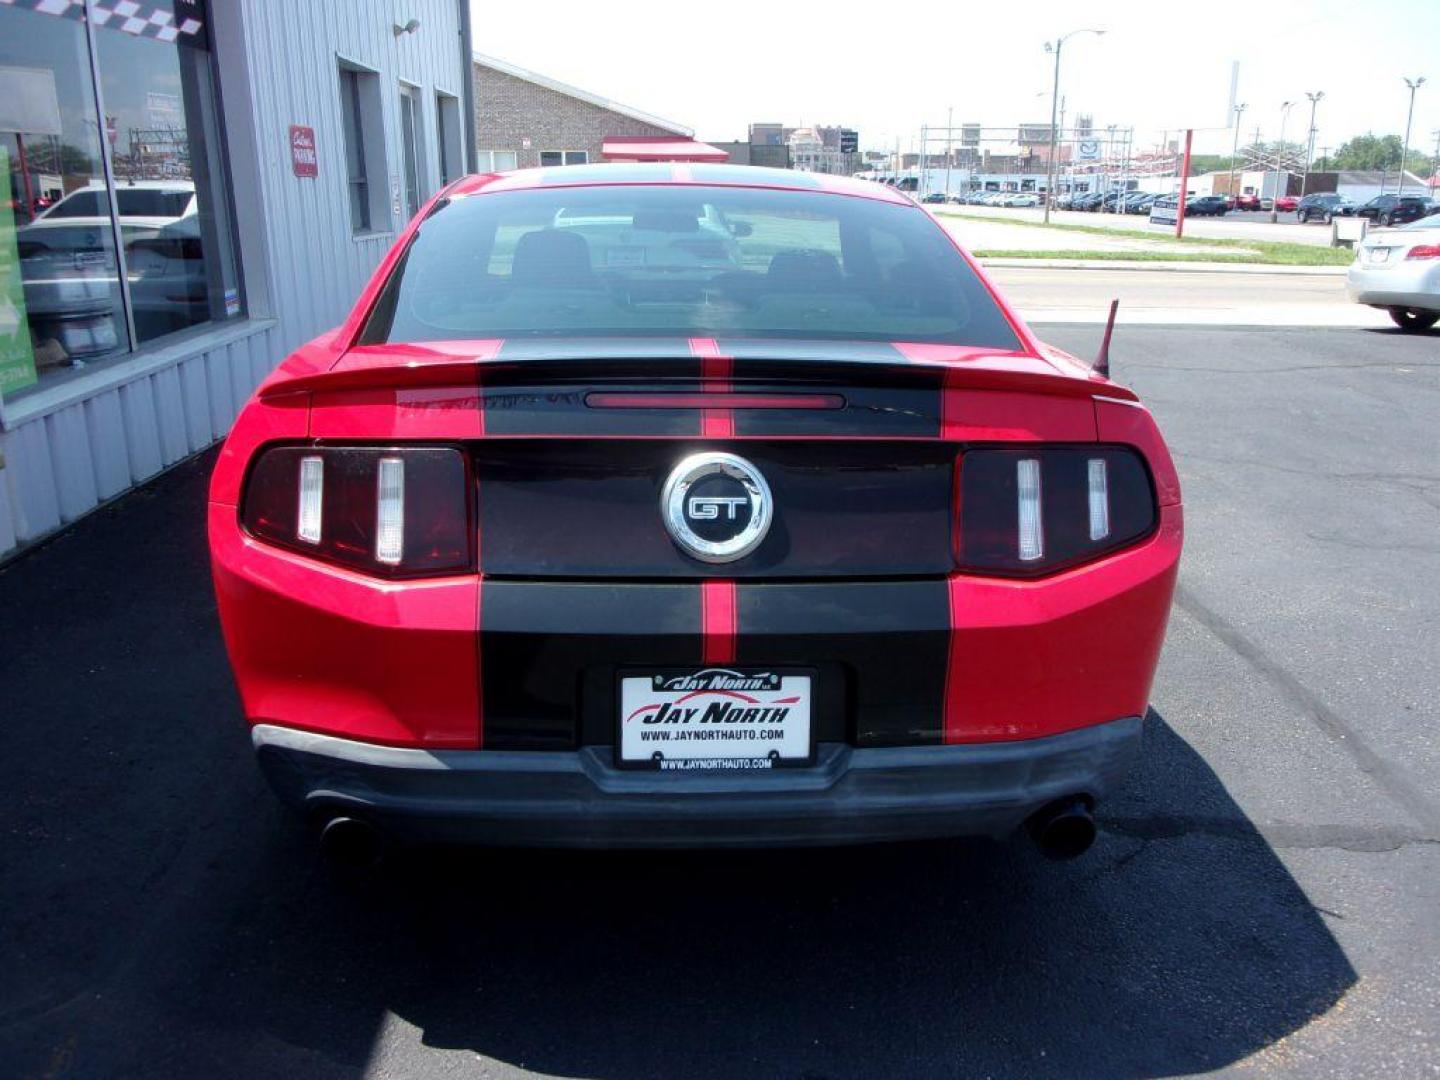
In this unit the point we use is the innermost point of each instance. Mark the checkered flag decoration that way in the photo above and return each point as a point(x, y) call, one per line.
point(171, 22)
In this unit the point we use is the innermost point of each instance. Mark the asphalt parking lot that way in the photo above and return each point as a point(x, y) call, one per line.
point(1264, 897)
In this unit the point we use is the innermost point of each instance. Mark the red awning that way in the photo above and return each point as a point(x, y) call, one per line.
point(658, 148)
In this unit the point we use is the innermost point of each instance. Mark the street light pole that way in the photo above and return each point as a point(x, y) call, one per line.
point(1285, 108)
point(1413, 84)
point(949, 134)
point(1055, 47)
point(1310, 144)
point(1235, 150)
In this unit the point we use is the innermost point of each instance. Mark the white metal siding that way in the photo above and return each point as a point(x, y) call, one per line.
point(60, 466)
point(61, 463)
point(293, 53)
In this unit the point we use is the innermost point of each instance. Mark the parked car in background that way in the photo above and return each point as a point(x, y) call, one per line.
point(1399, 270)
point(934, 197)
point(1089, 201)
point(1323, 206)
point(1396, 209)
point(1023, 198)
point(1207, 206)
point(1286, 203)
point(1247, 202)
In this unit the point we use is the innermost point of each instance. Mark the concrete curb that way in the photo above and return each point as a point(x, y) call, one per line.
point(1165, 267)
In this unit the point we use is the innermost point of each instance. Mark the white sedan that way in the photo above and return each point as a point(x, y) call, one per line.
point(1399, 270)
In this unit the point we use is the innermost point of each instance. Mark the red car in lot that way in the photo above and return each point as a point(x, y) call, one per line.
point(647, 505)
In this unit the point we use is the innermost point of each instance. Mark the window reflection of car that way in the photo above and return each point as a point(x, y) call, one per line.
point(68, 266)
point(168, 287)
point(76, 221)
point(659, 242)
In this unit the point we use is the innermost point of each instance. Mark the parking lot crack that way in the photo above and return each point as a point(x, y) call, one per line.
point(1327, 720)
point(1278, 835)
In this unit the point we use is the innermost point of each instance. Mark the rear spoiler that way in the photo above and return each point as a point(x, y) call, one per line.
point(1014, 372)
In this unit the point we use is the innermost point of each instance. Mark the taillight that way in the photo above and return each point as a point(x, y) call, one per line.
point(1030, 511)
point(393, 511)
point(1424, 251)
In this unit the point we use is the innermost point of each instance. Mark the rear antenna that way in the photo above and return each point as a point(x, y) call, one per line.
point(1102, 361)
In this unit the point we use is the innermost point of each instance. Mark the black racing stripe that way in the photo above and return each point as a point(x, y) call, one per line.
point(585, 348)
point(560, 410)
point(580, 508)
point(880, 649)
point(549, 653)
point(887, 395)
point(879, 352)
point(554, 404)
point(907, 412)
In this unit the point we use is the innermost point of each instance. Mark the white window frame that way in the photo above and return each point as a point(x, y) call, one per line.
point(564, 154)
point(485, 160)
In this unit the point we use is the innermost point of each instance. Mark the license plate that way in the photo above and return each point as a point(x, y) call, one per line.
point(714, 719)
point(1379, 255)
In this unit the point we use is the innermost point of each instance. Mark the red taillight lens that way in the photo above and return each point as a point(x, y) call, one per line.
point(1030, 511)
point(1424, 251)
point(393, 511)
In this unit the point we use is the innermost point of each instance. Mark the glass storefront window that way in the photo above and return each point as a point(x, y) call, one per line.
point(56, 230)
point(82, 301)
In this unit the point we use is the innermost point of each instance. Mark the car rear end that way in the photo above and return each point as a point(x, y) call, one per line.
point(1398, 268)
point(790, 577)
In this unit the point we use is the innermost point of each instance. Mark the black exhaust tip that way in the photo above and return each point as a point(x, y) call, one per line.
point(1064, 829)
point(351, 844)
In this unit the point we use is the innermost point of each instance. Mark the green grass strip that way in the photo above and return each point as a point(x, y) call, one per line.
point(1267, 252)
point(1307, 257)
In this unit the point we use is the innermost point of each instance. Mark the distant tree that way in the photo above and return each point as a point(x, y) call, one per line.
point(1206, 163)
point(1378, 152)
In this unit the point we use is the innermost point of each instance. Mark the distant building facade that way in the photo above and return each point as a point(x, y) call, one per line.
point(524, 119)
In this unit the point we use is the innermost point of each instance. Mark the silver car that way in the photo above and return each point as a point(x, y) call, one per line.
point(1399, 270)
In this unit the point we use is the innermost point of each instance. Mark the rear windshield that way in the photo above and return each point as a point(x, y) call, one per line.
point(650, 260)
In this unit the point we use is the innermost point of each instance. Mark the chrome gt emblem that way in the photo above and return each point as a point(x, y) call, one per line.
point(716, 507)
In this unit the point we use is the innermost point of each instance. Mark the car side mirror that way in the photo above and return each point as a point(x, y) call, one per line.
point(741, 229)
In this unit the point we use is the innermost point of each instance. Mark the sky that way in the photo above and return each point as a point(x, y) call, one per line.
point(880, 69)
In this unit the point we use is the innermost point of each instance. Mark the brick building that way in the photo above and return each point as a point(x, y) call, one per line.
point(524, 119)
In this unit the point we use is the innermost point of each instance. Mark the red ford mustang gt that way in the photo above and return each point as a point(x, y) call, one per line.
point(671, 505)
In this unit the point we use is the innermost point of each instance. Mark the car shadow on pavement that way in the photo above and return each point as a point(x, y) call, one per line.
point(162, 917)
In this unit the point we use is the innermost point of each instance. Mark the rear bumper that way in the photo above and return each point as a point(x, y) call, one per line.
point(580, 799)
point(1411, 284)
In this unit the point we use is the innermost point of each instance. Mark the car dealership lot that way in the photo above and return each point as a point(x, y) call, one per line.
point(1240, 225)
point(1265, 892)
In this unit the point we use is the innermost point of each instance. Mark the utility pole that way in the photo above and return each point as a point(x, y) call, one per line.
point(920, 161)
point(1413, 84)
point(1279, 159)
point(1310, 145)
point(1235, 150)
point(1055, 47)
point(949, 137)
